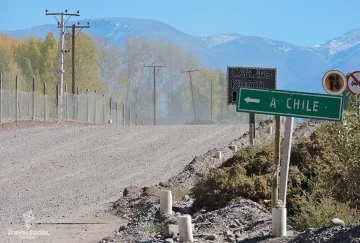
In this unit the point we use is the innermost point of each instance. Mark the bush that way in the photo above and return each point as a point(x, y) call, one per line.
point(318, 213)
point(346, 141)
point(323, 175)
point(247, 175)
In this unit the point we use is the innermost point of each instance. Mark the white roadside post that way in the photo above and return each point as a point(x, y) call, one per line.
point(233, 148)
point(185, 228)
point(218, 155)
point(279, 212)
point(165, 202)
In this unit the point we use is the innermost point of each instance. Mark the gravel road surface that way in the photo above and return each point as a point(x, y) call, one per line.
point(69, 173)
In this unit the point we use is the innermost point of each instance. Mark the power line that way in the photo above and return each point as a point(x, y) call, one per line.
point(61, 25)
point(154, 67)
point(192, 92)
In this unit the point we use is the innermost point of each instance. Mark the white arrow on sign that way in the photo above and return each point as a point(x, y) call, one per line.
point(248, 99)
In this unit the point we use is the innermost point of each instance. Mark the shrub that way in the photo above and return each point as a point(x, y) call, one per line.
point(318, 213)
point(323, 175)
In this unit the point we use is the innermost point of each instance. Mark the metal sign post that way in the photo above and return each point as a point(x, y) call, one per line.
point(250, 77)
point(290, 104)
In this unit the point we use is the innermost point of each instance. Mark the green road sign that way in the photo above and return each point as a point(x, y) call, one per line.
point(290, 103)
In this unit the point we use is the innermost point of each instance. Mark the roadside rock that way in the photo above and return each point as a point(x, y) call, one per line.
point(169, 240)
point(211, 237)
point(132, 192)
point(171, 230)
point(336, 222)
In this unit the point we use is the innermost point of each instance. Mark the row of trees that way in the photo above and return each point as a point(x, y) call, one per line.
point(120, 73)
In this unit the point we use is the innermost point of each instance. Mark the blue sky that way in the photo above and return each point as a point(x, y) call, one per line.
point(301, 22)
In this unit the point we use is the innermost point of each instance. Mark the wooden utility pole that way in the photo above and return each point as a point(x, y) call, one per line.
point(154, 67)
point(192, 91)
point(73, 59)
point(62, 51)
point(73, 35)
point(222, 94)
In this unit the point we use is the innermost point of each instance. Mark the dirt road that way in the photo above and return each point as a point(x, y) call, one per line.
point(70, 174)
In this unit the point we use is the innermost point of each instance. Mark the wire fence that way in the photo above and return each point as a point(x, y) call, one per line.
point(91, 107)
point(16, 105)
point(85, 108)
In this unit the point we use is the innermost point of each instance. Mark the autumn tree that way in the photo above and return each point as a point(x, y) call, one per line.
point(49, 63)
point(110, 61)
point(8, 65)
point(87, 70)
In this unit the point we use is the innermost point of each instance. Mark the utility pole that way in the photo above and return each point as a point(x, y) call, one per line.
point(221, 94)
point(154, 67)
point(192, 92)
point(73, 35)
point(61, 25)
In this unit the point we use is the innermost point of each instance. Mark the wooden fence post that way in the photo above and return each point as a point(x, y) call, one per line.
point(123, 114)
point(57, 102)
point(66, 103)
point(16, 98)
point(33, 100)
point(95, 112)
point(45, 102)
point(77, 103)
point(110, 109)
point(1, 101)
point(117, 117)
point(87, 105)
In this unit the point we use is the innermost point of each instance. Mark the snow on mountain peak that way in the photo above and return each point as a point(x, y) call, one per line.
point(219, 39)
point(342, 43)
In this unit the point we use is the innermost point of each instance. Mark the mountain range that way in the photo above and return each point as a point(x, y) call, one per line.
point(299, 68)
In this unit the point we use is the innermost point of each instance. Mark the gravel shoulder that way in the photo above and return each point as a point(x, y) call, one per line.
point(66, 173)
point(241, 221)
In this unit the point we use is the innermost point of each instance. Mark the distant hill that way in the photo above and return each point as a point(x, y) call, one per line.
point(299, 68)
